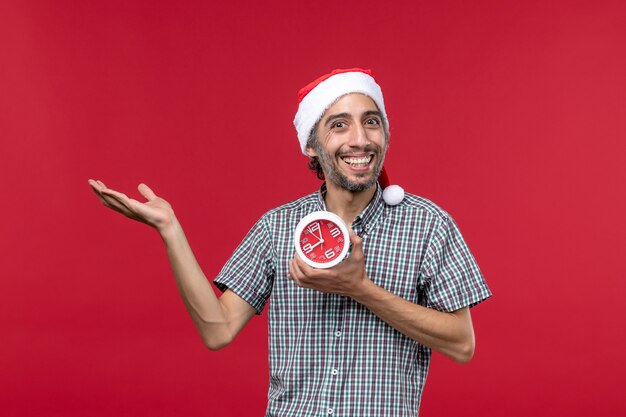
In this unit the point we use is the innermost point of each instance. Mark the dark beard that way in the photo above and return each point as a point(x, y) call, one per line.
point(332, 174)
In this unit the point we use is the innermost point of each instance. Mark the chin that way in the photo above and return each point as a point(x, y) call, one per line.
point(356, 186)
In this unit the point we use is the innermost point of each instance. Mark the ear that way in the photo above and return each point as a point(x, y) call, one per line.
point(310, 151)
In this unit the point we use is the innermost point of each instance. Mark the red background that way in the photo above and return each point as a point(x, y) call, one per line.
point(510, 115)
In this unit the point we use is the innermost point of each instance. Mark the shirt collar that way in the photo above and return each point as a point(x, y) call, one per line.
point(369, 216)
point(367, 219)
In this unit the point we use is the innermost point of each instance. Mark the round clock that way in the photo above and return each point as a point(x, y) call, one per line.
point(322, 239)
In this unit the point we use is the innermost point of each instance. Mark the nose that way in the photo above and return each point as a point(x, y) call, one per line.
point(358, 138)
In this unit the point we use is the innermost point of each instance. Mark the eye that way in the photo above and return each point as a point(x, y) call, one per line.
point(338, 125)
point(372, 121)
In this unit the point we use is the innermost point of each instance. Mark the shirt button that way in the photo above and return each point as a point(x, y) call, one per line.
point(338, 333)
point(329, 411)
point(334, 372)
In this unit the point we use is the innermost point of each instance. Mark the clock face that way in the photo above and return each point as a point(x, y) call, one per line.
point(322, 239)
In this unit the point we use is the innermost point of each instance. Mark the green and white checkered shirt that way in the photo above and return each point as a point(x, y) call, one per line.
point(329, 355)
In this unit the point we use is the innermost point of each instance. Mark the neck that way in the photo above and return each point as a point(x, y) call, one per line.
point(347, 204)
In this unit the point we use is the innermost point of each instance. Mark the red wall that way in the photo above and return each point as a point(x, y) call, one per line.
point(510, 115)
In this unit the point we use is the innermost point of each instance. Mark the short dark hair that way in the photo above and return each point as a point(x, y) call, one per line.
point(314, 163)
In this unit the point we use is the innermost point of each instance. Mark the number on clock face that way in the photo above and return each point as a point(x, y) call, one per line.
point(307, 248)
point(314, 227)
point(321, 239)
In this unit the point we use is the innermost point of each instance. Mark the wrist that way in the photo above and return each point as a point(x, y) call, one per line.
point(169, 229)
point(364, 290)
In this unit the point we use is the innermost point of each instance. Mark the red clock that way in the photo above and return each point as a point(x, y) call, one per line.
point(322, 239)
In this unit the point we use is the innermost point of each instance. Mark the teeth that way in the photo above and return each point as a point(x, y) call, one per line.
point(357, 161)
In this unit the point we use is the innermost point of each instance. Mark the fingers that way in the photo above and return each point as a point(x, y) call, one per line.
point(113, 199)
point(96, 189)
point(97, 185)
point(121, 197)
point(146, 192)
point(94, 185)
point(296, 272)
point(357, 242)
point(101, 188)
point(116, 204)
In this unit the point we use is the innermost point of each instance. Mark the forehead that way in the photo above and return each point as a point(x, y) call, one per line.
point(353, 104)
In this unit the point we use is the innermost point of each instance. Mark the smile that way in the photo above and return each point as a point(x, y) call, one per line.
point(357, 162)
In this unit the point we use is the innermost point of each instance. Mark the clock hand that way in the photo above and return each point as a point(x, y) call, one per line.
point(319, 242)
point(319, 229)
point(311, 230)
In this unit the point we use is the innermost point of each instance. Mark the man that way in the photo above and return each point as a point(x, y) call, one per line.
point(354, 339)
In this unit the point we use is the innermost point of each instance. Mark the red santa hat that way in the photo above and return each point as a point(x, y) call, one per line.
point(316, 97)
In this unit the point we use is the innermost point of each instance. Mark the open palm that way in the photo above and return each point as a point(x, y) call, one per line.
point(155, 212)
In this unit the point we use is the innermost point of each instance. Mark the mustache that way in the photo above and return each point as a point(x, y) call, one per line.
point(369, 148)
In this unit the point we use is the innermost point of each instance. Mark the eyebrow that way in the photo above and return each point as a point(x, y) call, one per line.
point(336, 116)
point(373, 113)
point(348, 115)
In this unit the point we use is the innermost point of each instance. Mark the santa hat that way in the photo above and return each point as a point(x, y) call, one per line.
point(315, 98)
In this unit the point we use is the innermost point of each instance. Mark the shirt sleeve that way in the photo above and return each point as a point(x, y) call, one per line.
point(249, 272)
point(452, 277)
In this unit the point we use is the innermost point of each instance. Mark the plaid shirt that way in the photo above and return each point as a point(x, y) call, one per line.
point(329, 355)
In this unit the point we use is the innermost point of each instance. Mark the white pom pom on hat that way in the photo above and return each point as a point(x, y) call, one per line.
point(316, 97)
point(392, 194)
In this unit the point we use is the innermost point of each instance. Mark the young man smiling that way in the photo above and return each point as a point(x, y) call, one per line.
point(354, 339)
point(354, 125)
